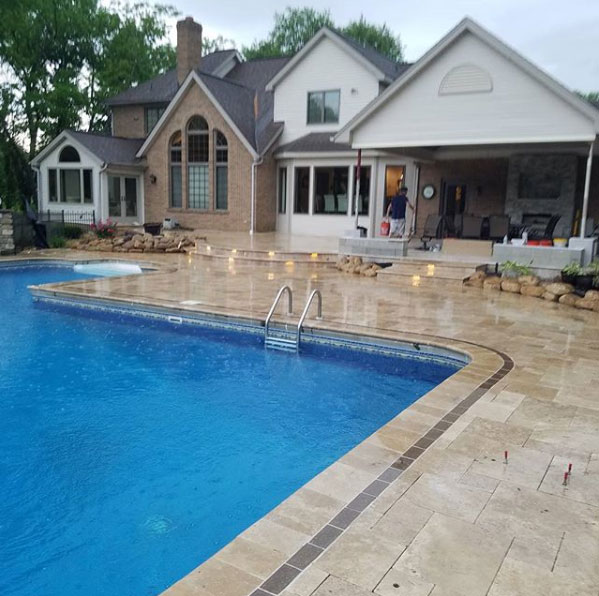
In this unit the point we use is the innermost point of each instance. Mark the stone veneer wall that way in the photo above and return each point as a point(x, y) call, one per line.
point(541, 167)
point(237, 216)
point(7, 243)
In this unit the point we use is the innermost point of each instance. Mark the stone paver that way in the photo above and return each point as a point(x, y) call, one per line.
point(458, 522)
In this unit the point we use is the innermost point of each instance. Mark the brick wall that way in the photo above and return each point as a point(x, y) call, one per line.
point(128, 121)
point(485, 181)
point(237, 216)
point(266, 194)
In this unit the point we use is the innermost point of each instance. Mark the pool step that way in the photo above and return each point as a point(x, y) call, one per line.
point(280, 343)
point(419, 274)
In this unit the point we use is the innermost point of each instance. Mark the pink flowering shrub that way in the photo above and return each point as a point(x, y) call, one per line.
point(104, 229)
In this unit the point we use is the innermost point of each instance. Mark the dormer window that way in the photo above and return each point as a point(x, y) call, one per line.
point(152, 115)
point(323, 107)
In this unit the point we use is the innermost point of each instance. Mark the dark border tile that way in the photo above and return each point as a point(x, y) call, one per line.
point(402, 463)
point(326, 536)
point(360, 502)
point(280, 579)
point(344, 518)
point(390, 474)
point(413, 452)
point(375, 488)
point(305, 555)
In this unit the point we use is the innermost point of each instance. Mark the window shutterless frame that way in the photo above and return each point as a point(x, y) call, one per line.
point(323, 106)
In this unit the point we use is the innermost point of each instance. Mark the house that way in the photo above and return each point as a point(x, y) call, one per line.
point(267, 144)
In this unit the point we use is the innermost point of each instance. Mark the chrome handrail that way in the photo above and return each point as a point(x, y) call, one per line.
point(271, 312)
point(305, 313)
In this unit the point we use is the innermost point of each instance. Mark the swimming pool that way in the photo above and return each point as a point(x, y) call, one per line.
point(131, 451)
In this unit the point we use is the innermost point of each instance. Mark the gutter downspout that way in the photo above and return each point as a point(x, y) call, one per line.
point(587, 186)
point(103, 168)
point(257, 161)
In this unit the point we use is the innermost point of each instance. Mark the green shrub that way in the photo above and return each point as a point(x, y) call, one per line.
point(572, 269)
point(513, 269)
point(58, 242)
point(71, 232)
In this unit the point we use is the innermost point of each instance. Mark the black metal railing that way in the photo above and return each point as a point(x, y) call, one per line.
point(81, 218)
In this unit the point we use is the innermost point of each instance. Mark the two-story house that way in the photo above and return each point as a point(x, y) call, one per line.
point(259, 145)
point(224, 143)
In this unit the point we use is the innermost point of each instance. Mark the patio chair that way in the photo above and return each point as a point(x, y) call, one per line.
point(499, 226)
point(342, 203)
point(431, 229)
point(546, 234)
point(472, 226)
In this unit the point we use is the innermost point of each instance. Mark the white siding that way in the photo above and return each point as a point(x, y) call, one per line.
point(327, 66)
point(88, 161)
point(517, 109)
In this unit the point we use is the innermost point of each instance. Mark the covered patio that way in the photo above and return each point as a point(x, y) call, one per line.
point(499, 147)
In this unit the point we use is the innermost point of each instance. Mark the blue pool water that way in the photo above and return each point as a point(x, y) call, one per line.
point(130, 453)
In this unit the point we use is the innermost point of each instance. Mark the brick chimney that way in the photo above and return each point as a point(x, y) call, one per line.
point(189, 47)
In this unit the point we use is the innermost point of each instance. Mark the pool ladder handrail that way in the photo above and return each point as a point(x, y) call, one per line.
point(271, 312)
point(305, 314)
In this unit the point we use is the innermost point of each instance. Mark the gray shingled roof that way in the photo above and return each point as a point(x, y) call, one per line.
point(389, 67)
point(313, 142)
point(162, 89)
point(111, 150)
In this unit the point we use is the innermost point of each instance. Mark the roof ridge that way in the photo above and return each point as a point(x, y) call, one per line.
point(223, 80)
point(103, 135)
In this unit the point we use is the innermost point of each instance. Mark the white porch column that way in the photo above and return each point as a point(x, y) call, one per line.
point(587, 186)
point(311, 186)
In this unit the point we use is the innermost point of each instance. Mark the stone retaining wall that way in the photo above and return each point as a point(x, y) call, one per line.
point(7, 242)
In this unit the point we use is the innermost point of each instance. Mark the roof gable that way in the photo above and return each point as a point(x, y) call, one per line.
point(380, 66)
point(468, 26)
point(234, 102)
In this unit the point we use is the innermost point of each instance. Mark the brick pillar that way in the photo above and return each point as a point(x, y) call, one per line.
point(189, 47)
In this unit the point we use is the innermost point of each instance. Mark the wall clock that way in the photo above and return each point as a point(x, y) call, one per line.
point(428, 192)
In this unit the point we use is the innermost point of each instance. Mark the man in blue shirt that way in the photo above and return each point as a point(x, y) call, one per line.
point(397, 210)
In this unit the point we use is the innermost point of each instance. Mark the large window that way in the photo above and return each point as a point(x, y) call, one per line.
point(221, 169)
point(323, 107)
point(176, 181)
point(302, 190)
point(198, 146)
point(330, 190)
point(282, 202)
point(152, 115)
point(70, 184)
point(364, 198)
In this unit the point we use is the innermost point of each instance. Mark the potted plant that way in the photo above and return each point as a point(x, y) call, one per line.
point(570, 272)
point(511, 269)
point(585, 279)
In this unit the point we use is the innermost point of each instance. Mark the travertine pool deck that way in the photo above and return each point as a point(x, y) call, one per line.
point(454, 519)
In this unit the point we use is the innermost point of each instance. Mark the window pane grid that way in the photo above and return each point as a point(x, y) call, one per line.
point(176, 187)
point(52, 186)
point(197, 181)
point(221, 186)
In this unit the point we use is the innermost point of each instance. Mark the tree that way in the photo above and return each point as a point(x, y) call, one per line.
point(292, 29)
point(378, 37)
point(590, 96)
point(64, 57)
point(216, 44)
point(295, 26)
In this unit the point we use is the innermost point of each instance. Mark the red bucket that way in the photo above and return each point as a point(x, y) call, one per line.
point(385, 227)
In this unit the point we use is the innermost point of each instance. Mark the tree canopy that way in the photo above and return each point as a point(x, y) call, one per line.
point(295, 26)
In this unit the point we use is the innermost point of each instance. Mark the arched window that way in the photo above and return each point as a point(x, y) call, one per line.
point(69, 154)
point(197, 163)
point(221, 169)
point(176, 182)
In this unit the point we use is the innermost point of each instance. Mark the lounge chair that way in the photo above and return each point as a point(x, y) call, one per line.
point(329, 203)
point(431, 229)
point(499, 226)
point(341, 203)
point(472, 226)
point(546, 234)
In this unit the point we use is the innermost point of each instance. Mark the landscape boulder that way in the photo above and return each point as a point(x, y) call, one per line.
point(550, 296)
point(535, 291)
point(528, 280)
point(559, 288)
point(510, 285)
point(569, 299)
point(492, 283)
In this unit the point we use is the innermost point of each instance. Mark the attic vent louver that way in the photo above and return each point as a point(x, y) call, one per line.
point(467, 78)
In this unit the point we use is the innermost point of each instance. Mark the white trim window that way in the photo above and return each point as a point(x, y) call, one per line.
point(70, 183)
point(221, 171)
point(323, 107)
point(151, 116)
point(198, 152)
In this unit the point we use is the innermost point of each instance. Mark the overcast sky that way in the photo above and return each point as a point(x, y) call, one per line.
point(560, 36)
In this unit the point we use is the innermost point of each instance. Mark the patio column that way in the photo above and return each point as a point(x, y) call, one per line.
point(587, 186)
